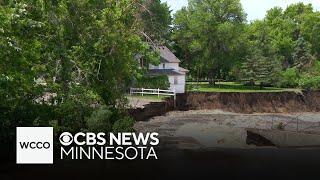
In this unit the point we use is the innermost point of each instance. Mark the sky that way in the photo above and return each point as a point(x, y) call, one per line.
point(256, 9)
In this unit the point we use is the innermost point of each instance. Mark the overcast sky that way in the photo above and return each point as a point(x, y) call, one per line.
point(256, 9)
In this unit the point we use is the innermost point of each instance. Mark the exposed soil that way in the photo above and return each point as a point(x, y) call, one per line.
point(206, 120)
point(274, 102)
point(215, 128)
point(138, 102)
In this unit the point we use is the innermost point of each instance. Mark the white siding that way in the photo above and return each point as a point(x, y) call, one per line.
point(166, 66)
point(172, 65)
point(153, 66)
point(180, 84)
point(180, 87)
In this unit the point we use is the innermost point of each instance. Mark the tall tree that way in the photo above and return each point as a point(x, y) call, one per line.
point(156, 18)
point(301, 55)
point(215, 28)
point(260, 68)
point(82, 51)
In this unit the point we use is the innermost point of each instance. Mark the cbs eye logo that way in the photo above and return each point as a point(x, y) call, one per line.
point(66, 138)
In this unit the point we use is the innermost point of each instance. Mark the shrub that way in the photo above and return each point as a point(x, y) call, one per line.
point(153, 82)
point(309, 82)
point(289, 78)
point(105, 119)
point(280, 126)
point(71, 115)
point(100, 120)
point(123, 125)
point(311, 78)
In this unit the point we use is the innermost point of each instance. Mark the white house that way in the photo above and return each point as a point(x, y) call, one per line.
point(169, 65)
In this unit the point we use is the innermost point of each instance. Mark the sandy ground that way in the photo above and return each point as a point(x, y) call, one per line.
point(139, 102)
point(215, 128)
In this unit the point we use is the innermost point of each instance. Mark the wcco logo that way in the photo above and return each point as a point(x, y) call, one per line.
point(34, 145)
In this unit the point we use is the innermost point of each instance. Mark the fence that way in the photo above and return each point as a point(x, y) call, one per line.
point(158, 92)
point(297, 125)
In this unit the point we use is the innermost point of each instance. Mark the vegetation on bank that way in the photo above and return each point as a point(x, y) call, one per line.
point(152, 82)
point(214, 41)
point(233, 87)
point(69, 63)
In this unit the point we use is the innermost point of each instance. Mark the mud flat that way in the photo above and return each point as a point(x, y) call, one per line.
point(284, 139)
point(220, 129)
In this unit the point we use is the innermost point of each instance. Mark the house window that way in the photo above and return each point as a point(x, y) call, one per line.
point(163, 66)
point(175, 80)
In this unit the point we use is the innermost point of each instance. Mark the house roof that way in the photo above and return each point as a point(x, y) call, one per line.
point(183, 70)
point(173, 72)
point(167, 56)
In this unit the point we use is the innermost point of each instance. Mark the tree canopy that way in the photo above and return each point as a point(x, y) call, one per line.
point(209, 36)
point(215, 41)
point(69, 63)
point(60, 59)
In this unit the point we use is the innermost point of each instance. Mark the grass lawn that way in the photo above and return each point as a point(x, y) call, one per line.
point(233, 87)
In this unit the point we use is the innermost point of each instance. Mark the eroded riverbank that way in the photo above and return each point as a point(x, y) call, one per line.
point(215, 128)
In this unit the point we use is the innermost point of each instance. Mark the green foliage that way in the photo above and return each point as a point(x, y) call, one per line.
point(215, 47)
point(289, 78)
point(231, 87)
point(259, 69)
point(209, 36)
point(308, 79)
point(280, 126)
point(153, 82)
point(106, 119)
point(309, 82)
point(77, 50)
point(311, 78)
point(301, 55)
point(123, 125)
point(156, 20)
point(100, 120)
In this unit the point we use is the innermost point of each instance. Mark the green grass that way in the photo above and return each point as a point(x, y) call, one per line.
point(232, 87)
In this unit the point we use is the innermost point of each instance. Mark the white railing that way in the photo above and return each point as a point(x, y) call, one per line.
point(159, 92)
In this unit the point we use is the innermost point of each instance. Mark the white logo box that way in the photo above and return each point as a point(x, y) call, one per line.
point(34, 136)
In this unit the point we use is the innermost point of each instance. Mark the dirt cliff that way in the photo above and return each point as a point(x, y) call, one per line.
point(279, 102)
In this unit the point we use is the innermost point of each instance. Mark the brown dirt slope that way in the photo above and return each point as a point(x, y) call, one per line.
point(280, 102)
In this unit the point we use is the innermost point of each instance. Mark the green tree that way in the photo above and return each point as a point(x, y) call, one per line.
point(212, 31)
point(301, 55)
point(79, 53)
point(156, 18)
point(258, 68)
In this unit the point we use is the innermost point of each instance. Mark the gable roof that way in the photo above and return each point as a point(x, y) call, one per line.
point(169, 72)
point(167, 56)
point(181, 69)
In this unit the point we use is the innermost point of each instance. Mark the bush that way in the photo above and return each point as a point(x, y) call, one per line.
point(309, 82)
point(153, 82)
point(71, 115)
point(288, 78)
point(280, 126)
point(123, 125)
point(311, 78)
point(105, 119)
point(100, 120)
